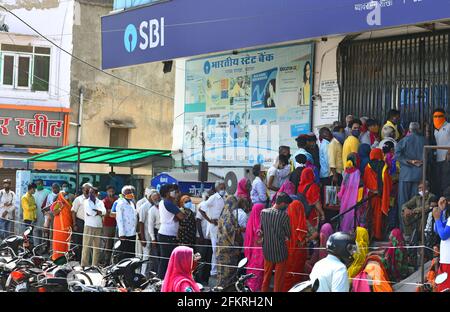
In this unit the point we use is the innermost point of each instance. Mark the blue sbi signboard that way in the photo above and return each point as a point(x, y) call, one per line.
point(182, 28)
point(186, 187)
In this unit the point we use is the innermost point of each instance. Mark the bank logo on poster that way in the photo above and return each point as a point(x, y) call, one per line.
point(247, 105)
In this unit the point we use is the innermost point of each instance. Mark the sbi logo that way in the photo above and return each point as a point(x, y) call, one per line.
point(130, 38)
point(151, 35)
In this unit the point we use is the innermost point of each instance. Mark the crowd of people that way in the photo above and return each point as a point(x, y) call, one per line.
point(280, 220)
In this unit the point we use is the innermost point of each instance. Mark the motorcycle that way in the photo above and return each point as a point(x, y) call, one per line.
point(236, 283)
point(308, 286)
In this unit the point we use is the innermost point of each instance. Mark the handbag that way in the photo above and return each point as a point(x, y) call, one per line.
point(331, 199)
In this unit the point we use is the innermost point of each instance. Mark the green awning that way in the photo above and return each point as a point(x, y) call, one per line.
point(100, 155)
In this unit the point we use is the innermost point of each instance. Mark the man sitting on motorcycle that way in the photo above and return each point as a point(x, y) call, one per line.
point(332, 270)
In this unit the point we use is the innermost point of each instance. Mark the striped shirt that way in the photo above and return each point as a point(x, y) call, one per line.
point(276, 230)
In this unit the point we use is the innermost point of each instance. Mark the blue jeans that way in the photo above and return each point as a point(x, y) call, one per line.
point(4, 228)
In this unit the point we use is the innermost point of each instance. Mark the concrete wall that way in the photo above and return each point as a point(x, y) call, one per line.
point(107, 98)
point(38, 13)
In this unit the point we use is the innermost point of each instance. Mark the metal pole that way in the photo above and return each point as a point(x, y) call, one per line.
point(202, 185)
point(422, 254)
point(78, 170)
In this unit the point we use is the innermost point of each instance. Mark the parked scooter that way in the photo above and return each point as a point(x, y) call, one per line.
point(307, 286)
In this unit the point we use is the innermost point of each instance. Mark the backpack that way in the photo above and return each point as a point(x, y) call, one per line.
point(302, 198)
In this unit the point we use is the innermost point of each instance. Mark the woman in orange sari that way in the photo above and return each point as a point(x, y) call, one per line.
point(62, 223)
point(379, 183)
point(297, 252)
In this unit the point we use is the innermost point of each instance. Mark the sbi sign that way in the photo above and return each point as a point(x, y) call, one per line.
point(151, 35)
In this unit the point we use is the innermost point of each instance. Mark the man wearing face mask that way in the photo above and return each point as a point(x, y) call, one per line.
point(154, 225)
point(170, 215)
point(335, 155)
point(126, 218)
point(351, 144)
point(442, 135)
point(348, 130)
point(144, 234)
point(94, 209)
point(7, 208)
point(40, 197)
point(393, 122)
point(78, 219)
point(412, 210)
point(211, 211)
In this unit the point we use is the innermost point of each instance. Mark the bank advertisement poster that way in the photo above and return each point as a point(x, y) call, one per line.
point(246, 105)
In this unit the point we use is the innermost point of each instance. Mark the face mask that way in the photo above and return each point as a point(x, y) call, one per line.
point(356, 133)
point(66, 189)
point(438, 122)
point(129, 196)
point(339, 136)
point(40, 187)
point(173, 194)
point(421, 194)
point(156, 203)
point(188, 205)
point(222, 193)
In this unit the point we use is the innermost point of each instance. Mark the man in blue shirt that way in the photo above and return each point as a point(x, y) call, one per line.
point(442, 228)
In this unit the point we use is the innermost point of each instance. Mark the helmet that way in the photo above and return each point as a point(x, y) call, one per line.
point(342, 245)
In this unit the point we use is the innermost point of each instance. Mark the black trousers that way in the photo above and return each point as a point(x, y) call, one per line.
point(202, 274)
point(30, 236)
point(168, 244)
point(442, 176)
point(127, 248)
point(77, 238)
point(155, 253)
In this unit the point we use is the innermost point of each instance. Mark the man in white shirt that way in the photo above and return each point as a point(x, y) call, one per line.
point(277, 175)
point(78, 219)
point(154, 223)
point(7, 208)
point(170, 215)
point(144, 234)
point(139, 204)
point(211, 211)
point(40, 197)
point(94, 209)
point(332, 270)
point(126, 218)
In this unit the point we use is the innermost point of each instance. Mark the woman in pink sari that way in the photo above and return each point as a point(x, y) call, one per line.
point(349, 191)
point(288, 187)
point(243, 189)
point(179, 272)
point(254, 255)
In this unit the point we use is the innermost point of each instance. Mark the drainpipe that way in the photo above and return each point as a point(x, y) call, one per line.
point(80, 120)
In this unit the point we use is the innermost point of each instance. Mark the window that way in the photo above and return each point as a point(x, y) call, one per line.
point(25, 67)
point(118, 137)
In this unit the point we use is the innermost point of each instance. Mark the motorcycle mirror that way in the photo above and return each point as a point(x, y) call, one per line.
point(441, 278)
point(27, 231)
point(315, 285)
point(242, 263)
point(200, 286)
point(117, 244)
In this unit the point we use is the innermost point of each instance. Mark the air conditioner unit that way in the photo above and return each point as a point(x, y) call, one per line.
point(231, 176)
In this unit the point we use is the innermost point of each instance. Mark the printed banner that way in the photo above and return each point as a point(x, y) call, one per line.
point(247, 105)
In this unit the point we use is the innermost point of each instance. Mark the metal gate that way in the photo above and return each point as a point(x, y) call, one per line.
point(409, 73)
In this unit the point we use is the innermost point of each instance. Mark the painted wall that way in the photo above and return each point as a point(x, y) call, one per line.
point(107, 98)
point(38, 13)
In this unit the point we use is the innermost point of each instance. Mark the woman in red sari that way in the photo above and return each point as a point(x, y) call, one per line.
point(62, 223)
point(378, 182)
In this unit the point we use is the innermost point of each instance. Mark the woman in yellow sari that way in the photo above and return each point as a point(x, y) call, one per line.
point(362, 242)
point(62, 223)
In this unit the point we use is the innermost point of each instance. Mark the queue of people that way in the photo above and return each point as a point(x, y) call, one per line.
point(279, 220)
